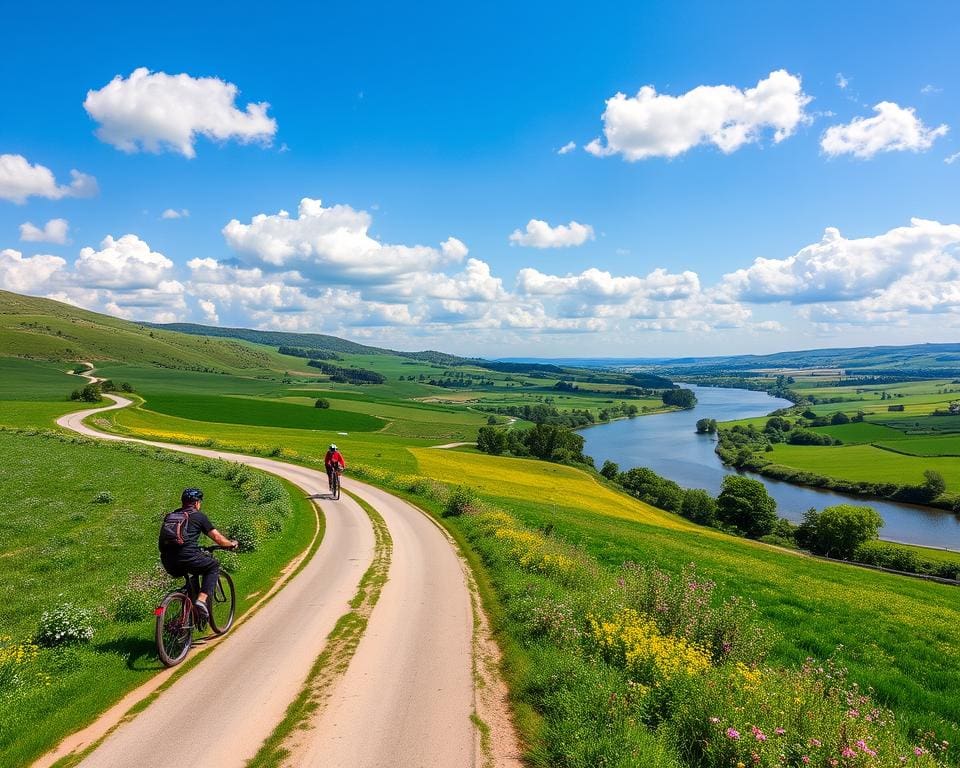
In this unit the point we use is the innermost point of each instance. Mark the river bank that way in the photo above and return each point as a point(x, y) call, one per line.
point(668, 444)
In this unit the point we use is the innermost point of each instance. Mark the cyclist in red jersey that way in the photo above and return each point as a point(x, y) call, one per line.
point(333, 462)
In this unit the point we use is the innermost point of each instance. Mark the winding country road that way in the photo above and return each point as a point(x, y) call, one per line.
point(407, 696)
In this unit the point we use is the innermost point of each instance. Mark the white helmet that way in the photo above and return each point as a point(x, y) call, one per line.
point(333, 446)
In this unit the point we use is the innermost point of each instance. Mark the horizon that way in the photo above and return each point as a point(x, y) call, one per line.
point(597, 190)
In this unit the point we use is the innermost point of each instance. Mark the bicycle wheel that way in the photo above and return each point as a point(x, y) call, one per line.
point(174, 629)
point(336, 485)
point(222, 605)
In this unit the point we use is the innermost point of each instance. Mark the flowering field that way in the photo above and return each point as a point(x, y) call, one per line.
point(623, 652)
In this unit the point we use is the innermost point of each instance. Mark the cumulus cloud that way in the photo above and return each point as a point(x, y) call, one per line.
point(892, 129)
point(658, 125)
point(126, 262)
point(842, 81)
point(332, 244)
point(539, 234)
point(599, 284)
point(567, 148)
point(19, 179)
point(154, 111)
point(27, 274)
point(54, 231)
point(173, 213)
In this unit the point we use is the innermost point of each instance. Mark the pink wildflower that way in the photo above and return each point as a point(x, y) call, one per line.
point(918, 751)
point(805, 759)
point(733, 733)
point(853, 713)
point(815, 742)
point(847, 752)
point(779, 731)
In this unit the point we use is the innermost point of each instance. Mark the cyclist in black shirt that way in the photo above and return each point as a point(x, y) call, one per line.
point(179, 546)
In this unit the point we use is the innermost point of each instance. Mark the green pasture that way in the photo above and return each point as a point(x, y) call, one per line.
point(860, 432)
point(918, 445)
point(866, 463)
point(261, 412)
point(62, 546)
point(35, 380)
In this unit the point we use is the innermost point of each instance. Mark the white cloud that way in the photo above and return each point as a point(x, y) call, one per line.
point(951, 159)
point(27, 275)
point(19, 179)
point(155, 111)
point(124, 263)
point(173, 213)
point(905, 267)
point(893, 128)
point(54, 231)
point(929, 88)
point(331, 244)
point(567, 148)
point(539, 234)
point(842, 82)
point(209, 309)
point(454, 249)
point(657, 125)
point(599, 284)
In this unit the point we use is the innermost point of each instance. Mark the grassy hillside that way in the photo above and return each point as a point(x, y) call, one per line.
point(42, 329)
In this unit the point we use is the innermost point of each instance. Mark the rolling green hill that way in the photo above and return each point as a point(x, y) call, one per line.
point(43, 329)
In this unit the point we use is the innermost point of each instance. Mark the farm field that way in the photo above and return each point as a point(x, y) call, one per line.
point(865, 463)
point(78, 535)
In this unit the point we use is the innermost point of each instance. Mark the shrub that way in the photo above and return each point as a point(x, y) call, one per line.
point(460, 501)
point(132, 605)
point(321, 403)
point(64, 625)
point(837, 531)
point(839, 418)
point(242, 530)
point(104, 497)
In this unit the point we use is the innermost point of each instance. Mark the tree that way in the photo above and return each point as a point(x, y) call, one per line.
point(491, 440)
point(648, 486)
point(89, 394)
point(321, 403)
point(491, 420)
point(706, 426)
point(553, 443)
point(933, 484)
point(839, 418)
point(745, 504)
point(679, 398)
point(610, 469)
point(699, 506)
point(837, 531)
point(777, 424)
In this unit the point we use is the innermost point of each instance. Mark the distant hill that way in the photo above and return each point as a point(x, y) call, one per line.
point(912, 359)
point(43, 329)
point(307, 341)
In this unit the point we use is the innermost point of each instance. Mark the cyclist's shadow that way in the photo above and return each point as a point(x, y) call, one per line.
point(138, 652)
point(322, 496)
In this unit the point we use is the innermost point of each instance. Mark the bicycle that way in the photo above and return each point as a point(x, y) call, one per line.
point(335, 483)
point(177, 615)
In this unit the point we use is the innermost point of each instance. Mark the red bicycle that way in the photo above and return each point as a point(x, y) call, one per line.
point(178, 618)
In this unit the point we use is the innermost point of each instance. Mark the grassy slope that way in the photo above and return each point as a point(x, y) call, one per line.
point(59, 546)
point(48, 330)
point(899, 635)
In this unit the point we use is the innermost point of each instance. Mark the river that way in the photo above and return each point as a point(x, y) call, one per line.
point(668, 444)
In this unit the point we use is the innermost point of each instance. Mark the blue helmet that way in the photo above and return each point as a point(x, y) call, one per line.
point(191, 495)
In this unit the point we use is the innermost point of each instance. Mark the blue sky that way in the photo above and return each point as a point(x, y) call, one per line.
point(426, 124)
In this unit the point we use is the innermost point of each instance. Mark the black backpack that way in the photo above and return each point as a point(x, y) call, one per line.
point(174, 527)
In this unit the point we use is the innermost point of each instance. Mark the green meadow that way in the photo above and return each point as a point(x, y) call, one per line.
point(78, 521)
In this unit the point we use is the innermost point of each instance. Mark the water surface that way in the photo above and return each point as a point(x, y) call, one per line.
point(668, 444)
